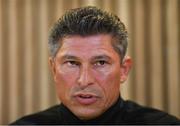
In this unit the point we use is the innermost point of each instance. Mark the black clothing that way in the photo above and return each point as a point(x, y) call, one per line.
point(122, 112)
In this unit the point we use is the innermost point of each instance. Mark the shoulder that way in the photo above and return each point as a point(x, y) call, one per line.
point(146, 115)
point(48, 116)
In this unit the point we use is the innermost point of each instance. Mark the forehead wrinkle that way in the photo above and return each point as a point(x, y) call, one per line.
point(68, 56)
point(92, 39)
point(81, 48)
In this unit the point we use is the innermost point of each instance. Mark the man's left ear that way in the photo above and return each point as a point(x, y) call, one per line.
point(125, 68)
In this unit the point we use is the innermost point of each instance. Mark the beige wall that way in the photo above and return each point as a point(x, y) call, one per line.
point(26, 85)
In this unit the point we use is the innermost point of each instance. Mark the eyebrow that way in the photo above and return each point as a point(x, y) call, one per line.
point(101, 57)
point(66, 57)
point(98, 57)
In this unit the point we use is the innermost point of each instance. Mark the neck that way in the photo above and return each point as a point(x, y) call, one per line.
point(105, 117)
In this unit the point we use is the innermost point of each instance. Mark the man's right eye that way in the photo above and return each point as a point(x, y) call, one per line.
point(72, 63)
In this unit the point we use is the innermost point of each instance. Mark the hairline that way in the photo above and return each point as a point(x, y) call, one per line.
point(113, 38)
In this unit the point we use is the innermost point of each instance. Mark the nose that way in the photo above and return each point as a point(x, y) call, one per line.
point(85, 77)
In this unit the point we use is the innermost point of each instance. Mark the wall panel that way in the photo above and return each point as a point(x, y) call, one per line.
point(172, 54)
point(26, 83)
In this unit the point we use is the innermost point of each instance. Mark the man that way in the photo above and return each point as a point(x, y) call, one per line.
point(88, 62)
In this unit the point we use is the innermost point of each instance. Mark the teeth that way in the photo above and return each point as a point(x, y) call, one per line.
point(85, 96)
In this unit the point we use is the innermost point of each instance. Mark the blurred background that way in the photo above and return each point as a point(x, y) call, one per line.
point(26, 84)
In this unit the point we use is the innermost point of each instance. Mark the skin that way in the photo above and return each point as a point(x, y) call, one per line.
point(87, 74)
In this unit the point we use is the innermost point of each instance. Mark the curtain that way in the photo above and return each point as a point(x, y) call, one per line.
point(26, 84)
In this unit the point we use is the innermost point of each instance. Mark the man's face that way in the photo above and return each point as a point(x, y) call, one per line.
point(87, 73)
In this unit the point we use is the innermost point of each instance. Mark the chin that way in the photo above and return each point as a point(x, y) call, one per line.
point(87, 113)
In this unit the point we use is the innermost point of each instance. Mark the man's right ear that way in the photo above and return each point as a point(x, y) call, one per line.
point(52, 65)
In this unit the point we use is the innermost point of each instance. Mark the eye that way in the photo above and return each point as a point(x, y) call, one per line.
point(72, 63)
point(101, 63)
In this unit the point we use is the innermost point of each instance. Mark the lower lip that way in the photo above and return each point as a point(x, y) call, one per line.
point(86, 101)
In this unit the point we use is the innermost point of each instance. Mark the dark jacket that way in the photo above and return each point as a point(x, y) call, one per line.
point(122, 112)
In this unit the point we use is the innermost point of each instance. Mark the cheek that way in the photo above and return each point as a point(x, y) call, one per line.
point(65, 77)
point(109, 81)
point(64, 83)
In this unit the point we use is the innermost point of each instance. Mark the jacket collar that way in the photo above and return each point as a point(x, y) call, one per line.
point(107, 117)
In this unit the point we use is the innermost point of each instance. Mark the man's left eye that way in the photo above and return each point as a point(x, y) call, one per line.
point(100, 63)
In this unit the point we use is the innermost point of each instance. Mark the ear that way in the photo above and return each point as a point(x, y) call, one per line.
point(52, 65)
point(125, 68)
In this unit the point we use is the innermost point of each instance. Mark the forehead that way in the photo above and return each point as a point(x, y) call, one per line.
point(87, 46)
point(83, 41)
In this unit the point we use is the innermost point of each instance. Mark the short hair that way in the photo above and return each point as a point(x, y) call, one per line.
point(86, 21)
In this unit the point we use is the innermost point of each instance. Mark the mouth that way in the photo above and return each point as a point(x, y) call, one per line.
point(86, 99)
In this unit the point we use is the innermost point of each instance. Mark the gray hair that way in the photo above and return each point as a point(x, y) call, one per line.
point(86, 21)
